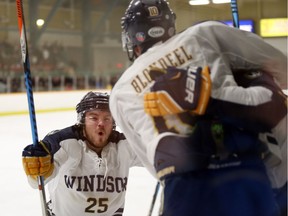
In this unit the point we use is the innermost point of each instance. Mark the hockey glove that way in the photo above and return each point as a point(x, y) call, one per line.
point(178, 90)
point(37, 160)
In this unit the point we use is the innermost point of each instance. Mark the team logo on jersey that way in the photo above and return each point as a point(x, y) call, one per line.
point(156, 32)
point(140, 36)
point(153, 11)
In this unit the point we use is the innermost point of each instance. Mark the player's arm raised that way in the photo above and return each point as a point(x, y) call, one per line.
point(38, 160)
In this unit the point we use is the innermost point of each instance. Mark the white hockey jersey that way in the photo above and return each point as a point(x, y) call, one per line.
point(210, 44)
point(82, 183)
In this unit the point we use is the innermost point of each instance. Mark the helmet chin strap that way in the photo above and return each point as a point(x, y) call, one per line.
point(131, 57)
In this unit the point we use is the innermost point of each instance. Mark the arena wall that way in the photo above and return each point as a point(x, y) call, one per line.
point(17, 103)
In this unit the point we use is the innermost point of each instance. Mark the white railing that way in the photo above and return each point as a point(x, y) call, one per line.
point(12, 84)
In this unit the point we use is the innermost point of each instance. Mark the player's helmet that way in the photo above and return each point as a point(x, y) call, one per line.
point(145, 23)
point(92, 101)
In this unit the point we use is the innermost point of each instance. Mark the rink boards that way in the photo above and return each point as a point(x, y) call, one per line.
point(17, 103)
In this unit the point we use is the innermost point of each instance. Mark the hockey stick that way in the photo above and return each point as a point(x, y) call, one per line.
point(29, 91)
point(154, 198)
point(235, 15)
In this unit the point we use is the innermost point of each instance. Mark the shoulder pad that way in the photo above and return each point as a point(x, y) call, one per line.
point(54, 138)
point(116, 136)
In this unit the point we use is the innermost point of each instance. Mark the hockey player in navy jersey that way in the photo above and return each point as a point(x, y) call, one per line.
point(86, 165)
point(233, 132)
point(204, 106)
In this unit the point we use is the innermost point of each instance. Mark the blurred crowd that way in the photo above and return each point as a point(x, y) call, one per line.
point(48, 57)
point(52, 69)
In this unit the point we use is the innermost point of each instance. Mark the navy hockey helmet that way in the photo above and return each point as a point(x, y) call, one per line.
point(92, 101)
point(145, 23)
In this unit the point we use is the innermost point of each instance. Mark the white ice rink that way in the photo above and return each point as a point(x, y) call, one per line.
point(18, 198)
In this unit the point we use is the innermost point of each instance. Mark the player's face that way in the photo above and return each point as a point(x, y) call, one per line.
point(137, 51)
point(98, 127)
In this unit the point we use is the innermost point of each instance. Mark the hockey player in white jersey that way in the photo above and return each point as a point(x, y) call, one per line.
point(210, 163)
point(86, 165)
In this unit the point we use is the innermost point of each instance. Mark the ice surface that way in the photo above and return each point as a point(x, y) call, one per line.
point(18, 198)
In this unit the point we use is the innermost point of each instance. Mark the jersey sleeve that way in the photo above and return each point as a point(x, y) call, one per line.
point(243, 87)
point(54, 138)
point(239, 50)
point(256, 104)
point(119, 108)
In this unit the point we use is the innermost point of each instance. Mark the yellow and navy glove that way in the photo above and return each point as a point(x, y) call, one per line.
point(178, 90)
point(37, 160)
